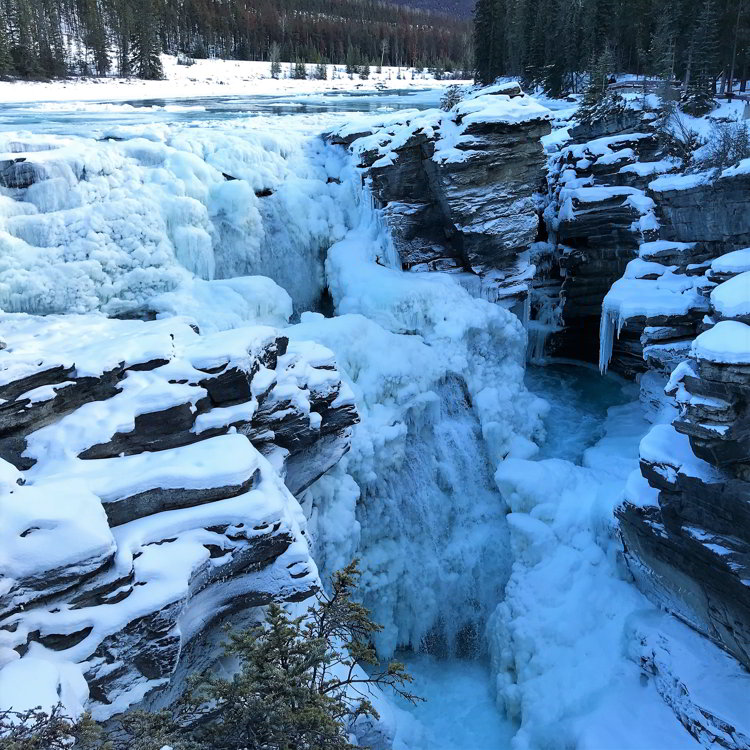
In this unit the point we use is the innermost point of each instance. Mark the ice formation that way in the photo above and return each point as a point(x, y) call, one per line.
point(108, 223)
point(391, 403)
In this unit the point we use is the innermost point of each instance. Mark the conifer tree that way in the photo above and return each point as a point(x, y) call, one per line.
point(703, 56)
point(488, 39)
point(7, 68)
point(598, 101)
point(145, 43)
point(274, 55)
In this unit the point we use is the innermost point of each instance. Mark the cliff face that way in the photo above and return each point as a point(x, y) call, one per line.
point(685, 521)
point(653, 259)
point(146, 491)
point(458, 188)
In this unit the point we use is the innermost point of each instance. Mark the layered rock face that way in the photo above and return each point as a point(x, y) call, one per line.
point(146, 490)
point(655, 260)
point(457, 188)
point(685, 521)
point(597, 217)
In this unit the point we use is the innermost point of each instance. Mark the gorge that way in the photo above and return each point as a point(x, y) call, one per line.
point(240, 349)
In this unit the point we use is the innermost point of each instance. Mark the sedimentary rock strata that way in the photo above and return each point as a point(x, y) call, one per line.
point(142, 488)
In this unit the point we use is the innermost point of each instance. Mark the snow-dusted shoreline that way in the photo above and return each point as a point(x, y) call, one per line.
point(215, 78)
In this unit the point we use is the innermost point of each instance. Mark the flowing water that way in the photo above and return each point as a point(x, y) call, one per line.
point(459, 711)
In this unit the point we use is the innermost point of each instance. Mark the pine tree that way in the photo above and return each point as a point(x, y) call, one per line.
point(300, 70)
point(489, 17)
point(297, 686)
point(145, 43)
point(351, 61)
point(703, 55)
point(7, 68)
point(95, 36)
point(321, 71)
point(274, 55)
point(598, 101)
point(24, 47)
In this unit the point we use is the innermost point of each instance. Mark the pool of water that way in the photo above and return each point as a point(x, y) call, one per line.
point(579, 398)
point(458, 712)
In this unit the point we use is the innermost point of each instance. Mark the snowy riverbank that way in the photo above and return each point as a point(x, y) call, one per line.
point(215, 78)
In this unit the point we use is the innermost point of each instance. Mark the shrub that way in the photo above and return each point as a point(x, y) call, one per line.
point(298, 686)
point(728, 144)
point(451, 97)
point(676, 136)
point(39, 730)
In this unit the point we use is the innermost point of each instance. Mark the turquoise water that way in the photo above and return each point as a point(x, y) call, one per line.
point(579, 398)
point(67, 117)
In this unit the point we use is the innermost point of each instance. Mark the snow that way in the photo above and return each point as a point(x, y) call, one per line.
point(657, 248)
point(670, 452)
point(30, 682)
point(669, 182)
point(226, 303)
point(385, 136)
point(113, 223)
point(224, 460)
point(647, 168)
point(731, 299)
point(500, 108)
point(47, 527)
point(560, 641)
point(735, 262)
point(209, 78)
point(741, 168)
point(728, 342)
point(671, 294)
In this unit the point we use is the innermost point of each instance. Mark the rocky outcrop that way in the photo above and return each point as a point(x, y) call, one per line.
point(685, 521)
point(713, 212)
point(654, 260)
point(142, 488)
point(457, 188)
point(597, 217)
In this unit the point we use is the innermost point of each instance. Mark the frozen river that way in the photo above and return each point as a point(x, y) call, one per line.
point(80, 118)
point(144, 196)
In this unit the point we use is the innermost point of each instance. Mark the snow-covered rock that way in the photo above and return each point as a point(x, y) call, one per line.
point(154, 492)
point(457, 187)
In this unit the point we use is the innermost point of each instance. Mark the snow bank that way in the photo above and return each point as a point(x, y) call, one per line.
point(735, 262)
point(561, 642)
point(670, 295)
point(727, 342)
point(213, 77)
point(732, 298)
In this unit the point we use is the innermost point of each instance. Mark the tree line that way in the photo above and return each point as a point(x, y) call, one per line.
point(56, 38)
point(557, 44)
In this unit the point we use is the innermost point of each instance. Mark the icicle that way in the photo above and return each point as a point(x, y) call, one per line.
point(606, 337)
